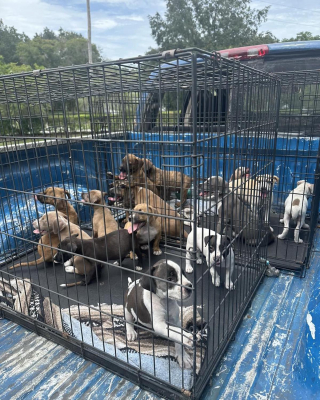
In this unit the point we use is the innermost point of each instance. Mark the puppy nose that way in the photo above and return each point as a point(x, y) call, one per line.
point(189, 285)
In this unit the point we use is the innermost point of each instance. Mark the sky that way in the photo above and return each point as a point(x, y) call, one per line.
point(121, 28)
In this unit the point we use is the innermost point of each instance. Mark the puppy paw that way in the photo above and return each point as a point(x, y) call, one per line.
point(189, 269)
point(216, 281)
point(281, 220)
point(299, 241)
point(144, 247)
point(229, 285)
point(131, 335)
point(138, 268)
point(199, 261)
point(116, 263)
point(157, 252)
point(67, 263)
point(70, 269)
point(306, 226)
point(133, 255)
point(271, 229)
point(186, 362)
point(280, 237)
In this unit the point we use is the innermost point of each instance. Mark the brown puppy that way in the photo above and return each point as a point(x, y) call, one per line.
point(173, 227)
point(134, 166)
point(60, 202)
point(102, 221)
point(55, 227)
point(168, 181)
point(147, 227)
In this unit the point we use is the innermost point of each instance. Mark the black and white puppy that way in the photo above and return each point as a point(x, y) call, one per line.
point(218, 253)
point(152, 302)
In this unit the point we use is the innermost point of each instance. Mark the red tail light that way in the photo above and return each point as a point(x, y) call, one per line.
point(246, 53)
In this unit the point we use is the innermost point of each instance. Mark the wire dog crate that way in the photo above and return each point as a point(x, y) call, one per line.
point(297, 158)
point(72, 136)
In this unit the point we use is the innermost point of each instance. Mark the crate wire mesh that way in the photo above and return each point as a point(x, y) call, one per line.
point(148, 131)
point(296, 159)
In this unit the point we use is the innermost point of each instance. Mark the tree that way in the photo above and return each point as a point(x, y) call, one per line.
point(208, 24)
point(302, 36)
point(9, 39)
point(12, 68)
point(53, 50)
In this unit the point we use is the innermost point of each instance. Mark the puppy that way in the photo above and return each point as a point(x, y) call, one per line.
point(54, 227)
point(153, 303)
point(296, 206)
point(233, 212)
point(133, 166)
point(147, 227)
point(216, 183)
point(218, 252)
point(113, 246)
point(256, 192)
point(59, 201)
point(241, 173)
point(130, 195)
point(168, 181)
point(103, 221)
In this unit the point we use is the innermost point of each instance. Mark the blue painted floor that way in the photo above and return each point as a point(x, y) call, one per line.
point(266, 361)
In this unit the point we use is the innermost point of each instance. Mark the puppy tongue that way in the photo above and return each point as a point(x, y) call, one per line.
point(264, 195)
point(247, 175)
point(83, 201)
point(36, 231)
point(133, 228)
point(35, 197)
point(122, 175)
point(111, 199)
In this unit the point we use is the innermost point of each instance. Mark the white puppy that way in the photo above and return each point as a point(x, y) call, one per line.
point(296, 206)
point(152, 302)
point(218, 252)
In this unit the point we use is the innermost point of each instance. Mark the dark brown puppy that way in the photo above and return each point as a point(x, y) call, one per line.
point(103, 221)
point(53, 227)
point(60, 202)
point(134, 166)
point(132, 195)
point(114, 246)
point(168, 181)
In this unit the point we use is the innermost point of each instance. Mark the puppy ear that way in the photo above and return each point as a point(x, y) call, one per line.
point(147, 165)
point(59, 224)
point(231, 178)
point(300, 182)
point(207, 239)
point(68, 194)
point(151, 209)
point(148, 283)
point(275, 179)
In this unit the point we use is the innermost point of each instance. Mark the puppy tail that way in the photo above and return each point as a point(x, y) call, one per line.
point(35, 262)
point(82, 283)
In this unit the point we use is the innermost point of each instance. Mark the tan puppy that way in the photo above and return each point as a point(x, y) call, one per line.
point(103, 221)
point(60, 202)
point(134, 166)
point(55, 227)
point(147, 228)
point(140, 195)
point(168, 181)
